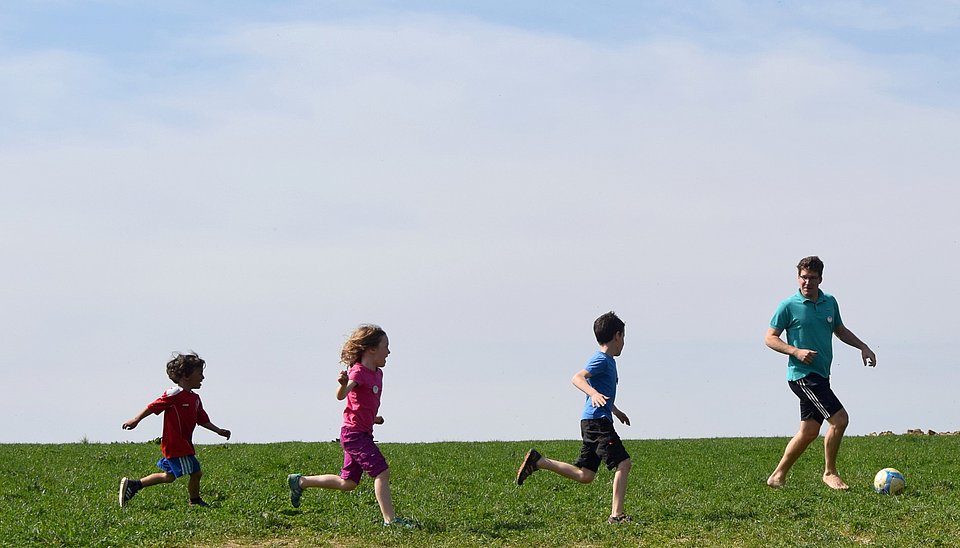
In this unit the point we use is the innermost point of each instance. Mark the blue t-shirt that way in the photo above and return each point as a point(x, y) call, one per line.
point(603, 378)
point(808, 324)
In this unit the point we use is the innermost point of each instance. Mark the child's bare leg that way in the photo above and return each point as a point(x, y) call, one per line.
point(809, 431)
point(566, 470)
point(831, 446)
point(328, 481)
point(381, 488)
point(620, 487)
point(193, 486)
point(159, 477)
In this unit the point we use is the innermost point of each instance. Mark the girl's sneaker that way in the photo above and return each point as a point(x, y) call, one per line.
point(400, 522)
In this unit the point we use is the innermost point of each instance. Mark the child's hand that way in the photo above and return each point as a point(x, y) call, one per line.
point(130, 424)
point(224, 432)
point(622, 416)
point(378, 420)
point(598, 400)
point(343, 379)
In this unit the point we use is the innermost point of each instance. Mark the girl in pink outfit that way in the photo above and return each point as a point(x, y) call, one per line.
point(365, 353)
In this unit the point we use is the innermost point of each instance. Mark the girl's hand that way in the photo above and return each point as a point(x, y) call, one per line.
point(378, 420)
point(343, 378)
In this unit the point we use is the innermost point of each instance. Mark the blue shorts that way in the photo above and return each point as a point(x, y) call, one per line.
point(179, 466)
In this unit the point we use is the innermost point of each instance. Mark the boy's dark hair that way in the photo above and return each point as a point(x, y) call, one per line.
point(183, 365)
point(606, 326)
point(811, 263)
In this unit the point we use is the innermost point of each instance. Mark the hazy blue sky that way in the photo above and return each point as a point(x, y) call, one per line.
point(250, 180)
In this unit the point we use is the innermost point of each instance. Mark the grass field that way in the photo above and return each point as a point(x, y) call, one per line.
point(707, 492)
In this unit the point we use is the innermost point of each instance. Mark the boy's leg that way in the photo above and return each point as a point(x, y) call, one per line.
point(193, 486)
point(620, 487)
point(809, 431)
point(582, 475)
point(159, 477)
point(130, 487)
point(831, 447)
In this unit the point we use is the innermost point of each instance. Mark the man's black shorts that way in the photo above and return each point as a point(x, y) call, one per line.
point(817, 400)
point(600, 443)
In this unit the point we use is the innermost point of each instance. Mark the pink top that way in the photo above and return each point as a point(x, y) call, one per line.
point(363, 401)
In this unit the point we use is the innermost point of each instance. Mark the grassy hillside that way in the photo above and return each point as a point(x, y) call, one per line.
point(682, 492)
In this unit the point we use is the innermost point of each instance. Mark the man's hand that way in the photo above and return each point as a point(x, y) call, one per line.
point(804, 355)
point(598, 400)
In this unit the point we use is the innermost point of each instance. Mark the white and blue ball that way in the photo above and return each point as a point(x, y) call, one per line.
point(889, 481)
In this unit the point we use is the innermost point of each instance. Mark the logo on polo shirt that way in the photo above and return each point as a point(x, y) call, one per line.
point(829, 319)
point(376, 389)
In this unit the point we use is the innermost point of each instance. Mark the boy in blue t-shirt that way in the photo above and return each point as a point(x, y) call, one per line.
point(598, 380)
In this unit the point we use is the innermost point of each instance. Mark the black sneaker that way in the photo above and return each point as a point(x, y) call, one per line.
point(199, 502)
point(293, 480)
point(128, 488)
point(529, 466)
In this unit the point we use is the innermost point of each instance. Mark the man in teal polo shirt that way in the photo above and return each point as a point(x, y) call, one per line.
point(811, 318)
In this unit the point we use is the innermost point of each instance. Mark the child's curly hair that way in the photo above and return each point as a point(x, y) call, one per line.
point(183, 365)
point(363, 338)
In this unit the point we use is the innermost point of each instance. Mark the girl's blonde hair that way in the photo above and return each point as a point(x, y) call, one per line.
point(363, 338)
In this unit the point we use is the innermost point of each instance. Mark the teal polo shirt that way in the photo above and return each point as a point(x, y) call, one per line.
point(808, 324)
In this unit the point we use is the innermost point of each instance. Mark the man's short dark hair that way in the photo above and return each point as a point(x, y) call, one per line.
point(606, 326)
point(811, 263)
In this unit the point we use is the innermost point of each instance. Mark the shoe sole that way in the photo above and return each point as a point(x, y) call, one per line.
point(526, 462)
point(294, 495)
point(123, 489)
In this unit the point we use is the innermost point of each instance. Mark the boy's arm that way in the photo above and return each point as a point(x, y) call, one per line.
point(847, 336)
point(621, 415)
point(132, 423)
point(346, 385)
point(580, 381)
point(214, 428)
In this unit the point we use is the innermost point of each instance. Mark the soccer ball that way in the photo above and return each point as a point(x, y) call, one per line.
point(889, 481)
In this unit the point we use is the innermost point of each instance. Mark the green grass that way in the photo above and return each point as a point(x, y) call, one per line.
point(682, 493)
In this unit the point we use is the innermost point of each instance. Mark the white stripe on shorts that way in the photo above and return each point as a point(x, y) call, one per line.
point(813, 398)
point(186, 464)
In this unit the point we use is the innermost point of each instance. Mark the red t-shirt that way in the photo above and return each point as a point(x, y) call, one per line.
point(363, 401)
point(182, 411)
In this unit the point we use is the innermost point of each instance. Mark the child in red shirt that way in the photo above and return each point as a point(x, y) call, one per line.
point(182, 412)
point(365, 353)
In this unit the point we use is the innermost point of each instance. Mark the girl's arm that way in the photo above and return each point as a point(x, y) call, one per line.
point(346, 385)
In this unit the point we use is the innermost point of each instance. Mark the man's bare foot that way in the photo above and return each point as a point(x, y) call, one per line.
point(834, 482)
point(777, 480)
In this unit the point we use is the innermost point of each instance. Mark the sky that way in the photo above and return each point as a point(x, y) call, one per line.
point(252, 180)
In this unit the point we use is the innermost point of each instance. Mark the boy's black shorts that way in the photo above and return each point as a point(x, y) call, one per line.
point(600, 443)
point(817, 400)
